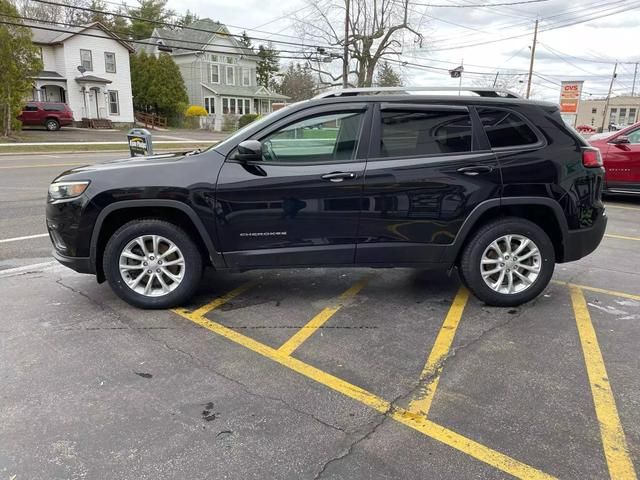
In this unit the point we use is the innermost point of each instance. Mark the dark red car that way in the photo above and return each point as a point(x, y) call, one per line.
point(621, 156)
point(51, 115)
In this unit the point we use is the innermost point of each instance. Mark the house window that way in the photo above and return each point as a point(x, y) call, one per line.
point(246, 77)
point(41, 58)
point(236, 106)
point(229, 60)
point(114, 105)
point(213, 58)
point(215, 73)
point(613, 114)
point(632, 116)
point(86, 60)
point(594, 110)
point(210, 105)
point(109, 62)
point(230, 76)
point(622, 118)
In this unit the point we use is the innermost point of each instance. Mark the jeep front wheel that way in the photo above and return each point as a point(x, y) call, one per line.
point(151, 263)
point(508, 262)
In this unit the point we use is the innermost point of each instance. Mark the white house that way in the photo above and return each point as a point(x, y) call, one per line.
point(219, 72)
point(88, 68)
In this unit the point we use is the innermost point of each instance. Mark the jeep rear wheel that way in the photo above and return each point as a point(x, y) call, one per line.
point(152, 264)
point(52, 124)
point(508, 262)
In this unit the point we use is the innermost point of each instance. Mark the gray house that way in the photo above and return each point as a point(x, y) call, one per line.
point(220, 75)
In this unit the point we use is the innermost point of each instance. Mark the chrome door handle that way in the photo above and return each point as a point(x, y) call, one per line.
point(338, 176)
point(475, 170)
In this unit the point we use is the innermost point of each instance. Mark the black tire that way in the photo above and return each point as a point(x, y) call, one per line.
point(470, 266)
point(52, 124)
point(136, 228)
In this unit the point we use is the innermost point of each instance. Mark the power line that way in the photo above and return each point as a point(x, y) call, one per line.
point(486, 5)
point(119, 33)
point(255, 29)
point(173, 25)
point(590, 9)
point(556, 26)
point(141, 42)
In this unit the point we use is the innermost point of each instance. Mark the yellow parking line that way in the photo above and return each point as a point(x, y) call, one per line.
point(288, 347)
point(622, 237)
point(422, 403)
point(614, 293)
point(217, 302)
point(418, 423)
point(613, 439)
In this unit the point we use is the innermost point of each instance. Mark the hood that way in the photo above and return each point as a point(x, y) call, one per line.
point(133, 163)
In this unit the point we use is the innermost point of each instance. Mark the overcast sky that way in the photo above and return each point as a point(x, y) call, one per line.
point(586, 51)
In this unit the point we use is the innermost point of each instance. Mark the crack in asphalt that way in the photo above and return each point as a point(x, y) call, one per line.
point(420, 384)
point(106, 309)
point(245, 387)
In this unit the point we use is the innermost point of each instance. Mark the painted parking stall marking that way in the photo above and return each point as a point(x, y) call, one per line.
point(613, 439)
point(430, 375)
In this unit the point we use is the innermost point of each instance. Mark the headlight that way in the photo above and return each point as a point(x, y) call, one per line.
point(64, 190)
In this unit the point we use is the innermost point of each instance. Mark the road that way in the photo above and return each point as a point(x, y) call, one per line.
point(23, 191)
point(307, 374)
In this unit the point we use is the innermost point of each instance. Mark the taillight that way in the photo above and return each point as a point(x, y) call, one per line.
point(591, 158)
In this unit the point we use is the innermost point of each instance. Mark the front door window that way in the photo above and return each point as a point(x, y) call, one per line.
point(323, 138)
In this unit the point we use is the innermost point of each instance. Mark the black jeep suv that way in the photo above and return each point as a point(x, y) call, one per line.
point(490, 183)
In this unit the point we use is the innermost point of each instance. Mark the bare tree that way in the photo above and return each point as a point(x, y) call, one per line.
point(507, 80)
point(54, 13)
point(377, 30)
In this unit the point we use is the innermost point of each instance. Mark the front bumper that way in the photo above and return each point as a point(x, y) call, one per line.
point(580, 243)
point(79, 264)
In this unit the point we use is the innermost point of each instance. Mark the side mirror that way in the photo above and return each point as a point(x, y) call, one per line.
point(621, 140)
point(249, 151)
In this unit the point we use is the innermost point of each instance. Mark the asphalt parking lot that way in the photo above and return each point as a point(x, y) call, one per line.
point(328, 373)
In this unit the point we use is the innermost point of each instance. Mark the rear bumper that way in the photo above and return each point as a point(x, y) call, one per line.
point(79, 264)
point(580, 243)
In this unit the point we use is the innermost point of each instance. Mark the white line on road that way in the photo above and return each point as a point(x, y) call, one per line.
point(27, 237)
point(50, 144)
point(26, 268)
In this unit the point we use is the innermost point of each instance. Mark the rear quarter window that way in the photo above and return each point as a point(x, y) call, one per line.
point(505, 128)
point(53, 108)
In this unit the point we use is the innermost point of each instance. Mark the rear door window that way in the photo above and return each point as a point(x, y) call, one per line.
point(406, 132)
point(505, 128)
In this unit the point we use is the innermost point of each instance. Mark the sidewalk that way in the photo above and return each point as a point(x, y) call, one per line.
point(81, 135)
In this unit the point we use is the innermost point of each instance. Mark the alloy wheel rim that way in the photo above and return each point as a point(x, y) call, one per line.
point(152, 265)
point(511, 264)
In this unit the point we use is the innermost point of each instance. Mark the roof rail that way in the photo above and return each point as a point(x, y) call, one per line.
point(482, 92)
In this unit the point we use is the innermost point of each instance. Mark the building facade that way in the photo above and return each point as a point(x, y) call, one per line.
point(621, 111)
point(219, 73)
point(86, 68)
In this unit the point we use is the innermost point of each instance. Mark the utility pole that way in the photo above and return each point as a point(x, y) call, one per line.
point(345, 54)
point(495, 80)
point(635, 74)
point(606, 104)
point(533, 54)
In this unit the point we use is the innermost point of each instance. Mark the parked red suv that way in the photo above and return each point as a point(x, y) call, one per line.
point(621, 155)
point(52, 115)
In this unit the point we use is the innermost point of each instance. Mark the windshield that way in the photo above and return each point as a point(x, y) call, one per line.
point(256, 123)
